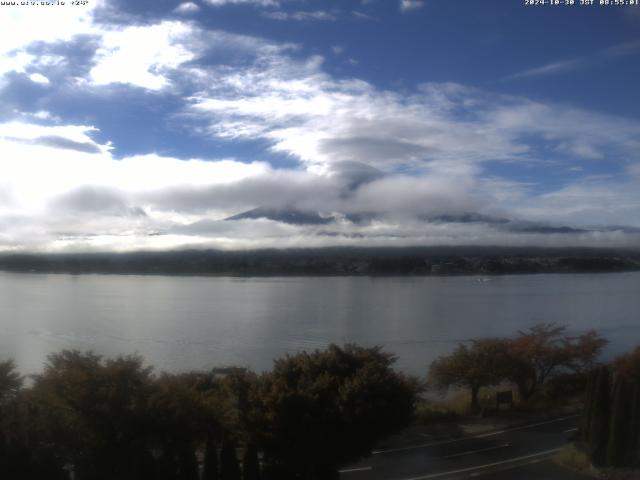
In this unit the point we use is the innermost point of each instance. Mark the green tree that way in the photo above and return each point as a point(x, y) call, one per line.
point(94, 412)
point(325, 408)
point(475, 366)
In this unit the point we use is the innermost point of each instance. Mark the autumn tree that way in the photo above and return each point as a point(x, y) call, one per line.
point(542, 351)
point(479, 364)
point(325, 408)
point(628, 365)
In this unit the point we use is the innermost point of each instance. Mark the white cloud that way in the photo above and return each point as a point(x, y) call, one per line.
point(141, 55)
point(305, 113)
point(62, 196)
point(408, 5)
point(39, 115)
point(138, 55)
point(15, 62)
point(21, 27)
point(568, 65)
point(186, 8)
point(318, 15)
point(39, 78)
point(587, 201)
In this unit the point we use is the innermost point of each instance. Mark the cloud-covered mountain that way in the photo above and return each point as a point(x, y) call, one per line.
point(291, 216)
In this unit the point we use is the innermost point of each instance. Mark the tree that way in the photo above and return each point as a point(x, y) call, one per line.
point(599, 424)
point(250, 463)
point(589, 400)
point(95, 412)
point(628, 365)
point(621, 417)
point(325, 408)
point(210, 460)
point(229, 467)
point(475, 366)
point(10, 380)
point(537, 354)
point(633, 453)
point(188, 463)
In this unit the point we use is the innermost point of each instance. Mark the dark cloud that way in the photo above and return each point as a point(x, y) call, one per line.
point(66, 144)
point(375, 150)
point(274, 190)
point(93, 200)
point(353, 174)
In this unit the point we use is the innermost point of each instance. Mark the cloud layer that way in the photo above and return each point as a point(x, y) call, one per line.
point(387, 166)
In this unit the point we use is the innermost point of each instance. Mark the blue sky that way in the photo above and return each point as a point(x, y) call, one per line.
point(140, 125)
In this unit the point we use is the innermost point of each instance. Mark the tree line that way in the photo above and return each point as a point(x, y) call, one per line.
point(531, 360)
point(88, 417)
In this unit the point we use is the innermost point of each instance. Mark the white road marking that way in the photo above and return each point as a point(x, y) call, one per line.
point(481, 435)
point(570, 430)
point(490, 434)
point(486, 465)
point(480, 450)
point(351, 470)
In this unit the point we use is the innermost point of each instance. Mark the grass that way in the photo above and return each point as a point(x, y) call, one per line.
point(573, 458)
point(429, 412)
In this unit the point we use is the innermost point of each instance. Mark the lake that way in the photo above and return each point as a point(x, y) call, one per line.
point(181, 323)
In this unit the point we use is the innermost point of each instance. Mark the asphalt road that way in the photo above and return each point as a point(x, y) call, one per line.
point(521, 453)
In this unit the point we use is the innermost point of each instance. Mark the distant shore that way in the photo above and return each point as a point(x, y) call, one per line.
point(417, 261)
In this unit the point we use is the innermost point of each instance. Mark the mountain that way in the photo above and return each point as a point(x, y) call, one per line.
point(294, 216)
point(290, 216)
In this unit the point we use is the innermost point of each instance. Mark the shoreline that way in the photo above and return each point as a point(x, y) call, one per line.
point(332, 262)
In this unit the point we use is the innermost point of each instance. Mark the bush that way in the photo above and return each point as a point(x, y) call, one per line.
point(571, 457)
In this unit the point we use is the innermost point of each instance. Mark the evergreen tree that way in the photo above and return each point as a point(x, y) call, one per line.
point(250, 464)
point(633, 452)
point(599, 425)
point(188, 464)
point(619, 432)
point(229, 467)
point(145, 465)
point(210, 460)
point(588, 405)
point(167, 468)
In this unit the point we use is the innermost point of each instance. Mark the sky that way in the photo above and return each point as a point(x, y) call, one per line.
point(144, 125)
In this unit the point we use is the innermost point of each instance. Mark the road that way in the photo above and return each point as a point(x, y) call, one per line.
point(521, 453)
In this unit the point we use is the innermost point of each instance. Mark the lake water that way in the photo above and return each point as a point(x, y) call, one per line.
point(180, 323)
